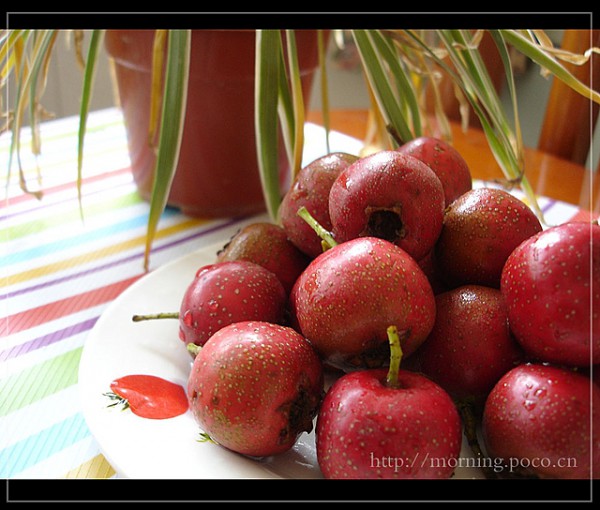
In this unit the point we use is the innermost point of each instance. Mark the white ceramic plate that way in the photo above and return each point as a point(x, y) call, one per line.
point(144, 448)
point(168, 449)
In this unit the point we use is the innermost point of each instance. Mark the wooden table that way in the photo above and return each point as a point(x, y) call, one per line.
point(549, 176)
point(61, 274)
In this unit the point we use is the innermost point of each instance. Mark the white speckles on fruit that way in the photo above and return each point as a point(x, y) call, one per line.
point(346, 298)
point(475, 243)
point(384, 428)
point(227, 292)
point(557, 327)
point(538, 411)
point(394, 197)
point(271, 387)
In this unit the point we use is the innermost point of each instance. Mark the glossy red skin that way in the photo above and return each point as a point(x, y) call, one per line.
point(470, 346)
point(447, 163)
point(347, 297)
point(151, 397)
point(552, 295)
point(267, 245)
point(247, 382)
point(394, 182)
point(367, 430)
point(540, 413)
point(227, 292)
point(481, 229)
point(311, 190)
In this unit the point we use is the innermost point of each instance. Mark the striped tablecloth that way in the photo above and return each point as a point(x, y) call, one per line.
point(61, 267)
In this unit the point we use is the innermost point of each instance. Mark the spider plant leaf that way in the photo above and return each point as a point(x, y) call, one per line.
point(406, 88)
point(285, 105)
point(470, 74)
point(297, 101)
point(19, 50)
point(440, 115)
point(379, 81)
point(12, 62)
point(494, 124)
point(465, 55)
point(512, 90)
point(23, 74)
point(171, 129)
point(42, 52)
point(473, 79)
point(9, 54)
point(545, 60)
point(378, 133)
point(324, 87)
point(158, 56)
point(86, 97)
point(78, 38)
point(267, 62)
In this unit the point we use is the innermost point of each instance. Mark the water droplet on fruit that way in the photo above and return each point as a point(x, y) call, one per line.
point(188, 319)
point(532, 396)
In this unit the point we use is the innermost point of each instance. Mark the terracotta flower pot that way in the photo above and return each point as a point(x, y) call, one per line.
point(217, 174)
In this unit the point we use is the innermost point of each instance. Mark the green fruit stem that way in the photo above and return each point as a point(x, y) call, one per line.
point(205, 438)
point(395, 357)
point(153, 316)
point(322, 232)
point(470, 421)
point(193, 348)
point(118, 400)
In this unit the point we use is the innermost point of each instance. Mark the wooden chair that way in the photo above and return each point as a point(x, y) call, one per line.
point(570, 118)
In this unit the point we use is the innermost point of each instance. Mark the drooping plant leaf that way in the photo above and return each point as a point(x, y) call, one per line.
point(285, 104)
point(466, 71)
point(512, 91)
point(158, 55)
point(324, 86)
point(39, 73)
point(380, 84)
point(504, 140)
point(402, 78)
point(86, 97)
point(431, 77)
point(297, 101)
point(394, 85)
point(27, 71)
point(171, 129)
point(8, 40)
point(268, 61)
point(78, 39)
point(545, 59)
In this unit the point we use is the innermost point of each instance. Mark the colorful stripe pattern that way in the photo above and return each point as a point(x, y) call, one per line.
point(60, 271)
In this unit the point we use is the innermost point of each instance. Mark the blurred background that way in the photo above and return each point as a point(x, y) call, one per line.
point(346, 88)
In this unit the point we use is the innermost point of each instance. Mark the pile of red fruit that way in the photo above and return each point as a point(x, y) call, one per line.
point(423, 297)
